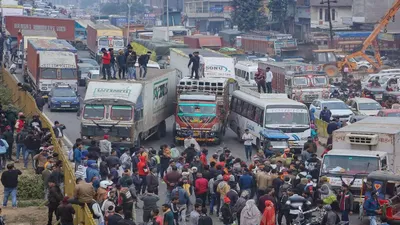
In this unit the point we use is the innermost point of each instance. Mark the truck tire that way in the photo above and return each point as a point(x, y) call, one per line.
point(163, 129)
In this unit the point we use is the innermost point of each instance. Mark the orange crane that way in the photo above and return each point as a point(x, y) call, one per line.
point(372, 41)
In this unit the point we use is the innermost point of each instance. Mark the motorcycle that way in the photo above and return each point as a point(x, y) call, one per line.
point(17, 58)
point(301, 220)
point(13, 68)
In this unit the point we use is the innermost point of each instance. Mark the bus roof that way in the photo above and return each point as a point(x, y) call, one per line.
point(264, 100)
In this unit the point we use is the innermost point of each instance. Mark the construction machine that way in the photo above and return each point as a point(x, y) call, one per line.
point(372, 41)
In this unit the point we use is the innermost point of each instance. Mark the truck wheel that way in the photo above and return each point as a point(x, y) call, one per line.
point(163, 129)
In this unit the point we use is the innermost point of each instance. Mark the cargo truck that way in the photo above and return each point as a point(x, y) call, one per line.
point(128, 111)
point(368, 145)
point(103, 36)
point(65, 28)
point(80, 34)
point(216, 65)
point(50, 63)
point(202, 110)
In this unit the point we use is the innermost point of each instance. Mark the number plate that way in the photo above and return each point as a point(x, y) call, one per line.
point(65, 106)
point(196, 134)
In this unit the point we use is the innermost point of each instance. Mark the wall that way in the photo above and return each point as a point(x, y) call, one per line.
point(340, 14)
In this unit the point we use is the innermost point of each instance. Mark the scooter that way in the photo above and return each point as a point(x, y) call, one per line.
point(13, 68)
point(301, 220)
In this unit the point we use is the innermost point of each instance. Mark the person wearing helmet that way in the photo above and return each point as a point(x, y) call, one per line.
point(102, 192)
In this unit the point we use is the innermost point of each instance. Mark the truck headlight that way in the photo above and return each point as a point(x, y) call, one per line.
point(215, 127)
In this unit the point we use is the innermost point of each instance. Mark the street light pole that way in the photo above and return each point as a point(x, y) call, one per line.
point(330, 19)
point(129, 21)
point(167, 20)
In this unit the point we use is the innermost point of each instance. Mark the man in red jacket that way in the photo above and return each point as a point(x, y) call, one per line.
point(143, 170)
point(200, 188)
point(106, 61)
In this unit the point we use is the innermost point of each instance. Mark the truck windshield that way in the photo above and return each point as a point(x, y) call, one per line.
point(320, 80)
point(49, 73)
point(93, 112)
point(103, 42)
point(118, 43)
point(193, 109)
point(68, 74)
point(121, 112)
point(349, 164)
point(300, 81)
point(287, 116)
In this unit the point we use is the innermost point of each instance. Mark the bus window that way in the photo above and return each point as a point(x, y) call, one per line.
point(247, 76)
point(250, 112)
point(244, 109)
point(234, 103)
point(238, 106)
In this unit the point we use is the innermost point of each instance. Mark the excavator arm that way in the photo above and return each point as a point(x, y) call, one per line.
point(372, 41)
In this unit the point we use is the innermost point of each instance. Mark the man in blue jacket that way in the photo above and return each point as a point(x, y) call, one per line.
point(371, 207)
point(246, 181)
point(78, 156)
point(325, 115)
point(92, 171)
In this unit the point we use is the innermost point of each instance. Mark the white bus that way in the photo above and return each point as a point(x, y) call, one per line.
point(245, 72)
point(254, 111)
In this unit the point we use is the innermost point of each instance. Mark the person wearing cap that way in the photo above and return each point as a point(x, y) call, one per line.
point(66, 212)
point(106, 61)
point(143, 61)
point(346, 202)
point(248, 143)
point(194, 62)
point(105, 146)
point(226, 212)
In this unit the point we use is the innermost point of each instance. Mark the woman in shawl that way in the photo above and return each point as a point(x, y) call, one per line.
point(240, 204)
point(250, 214)
point(268, 217)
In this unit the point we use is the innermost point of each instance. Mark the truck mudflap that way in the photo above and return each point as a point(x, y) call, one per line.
point(200, 136)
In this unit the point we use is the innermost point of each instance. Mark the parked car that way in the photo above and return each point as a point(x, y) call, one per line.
point(338, 108)
point(63, 97)
point(84, 69)
point(364, 106)
point(88, 60)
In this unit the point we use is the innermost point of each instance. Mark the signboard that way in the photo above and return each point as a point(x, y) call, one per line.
point(278, 45)
point(219, 67)
point(149, 16)
point(12, 12)
point(160, 95)
point(386, 37)
point(217, 9)
point(308, 68)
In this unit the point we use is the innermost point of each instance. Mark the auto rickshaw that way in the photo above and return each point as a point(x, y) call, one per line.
point(275, 138)
point(387, 184)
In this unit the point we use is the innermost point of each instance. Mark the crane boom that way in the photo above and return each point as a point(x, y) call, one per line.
point(371, 39)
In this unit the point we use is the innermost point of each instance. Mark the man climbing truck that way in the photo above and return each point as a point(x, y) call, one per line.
point(202, 110)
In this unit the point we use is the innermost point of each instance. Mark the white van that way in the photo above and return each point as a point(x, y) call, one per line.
point(245, 72)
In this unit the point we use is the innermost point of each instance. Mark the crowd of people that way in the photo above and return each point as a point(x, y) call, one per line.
point(269, 186)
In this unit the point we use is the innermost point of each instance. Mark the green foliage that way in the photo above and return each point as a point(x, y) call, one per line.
point(247, 15)
point(112, 8)
point(30, 186)
point(5, 96)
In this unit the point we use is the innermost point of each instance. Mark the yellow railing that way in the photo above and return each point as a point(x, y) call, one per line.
point(322, 125)
point(26, 102)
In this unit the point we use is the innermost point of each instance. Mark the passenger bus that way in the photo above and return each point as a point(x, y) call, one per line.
point(254, 111)
point(245, 72)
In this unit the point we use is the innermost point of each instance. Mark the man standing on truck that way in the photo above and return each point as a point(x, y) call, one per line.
point(106, 61)
point(268, 79)
point(194, 61)
point(143, 60)
point(112, 63)
point(260, 80)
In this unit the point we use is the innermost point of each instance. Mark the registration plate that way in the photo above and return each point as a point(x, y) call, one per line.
point(65, 106)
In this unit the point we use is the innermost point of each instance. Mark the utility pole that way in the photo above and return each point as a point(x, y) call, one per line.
point(167, 1)
point(329, 18)
point(129, 21)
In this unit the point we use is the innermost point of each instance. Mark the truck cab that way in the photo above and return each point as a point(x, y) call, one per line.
point(307, 87)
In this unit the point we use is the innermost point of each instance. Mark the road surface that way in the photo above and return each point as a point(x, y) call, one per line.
point(72, 132)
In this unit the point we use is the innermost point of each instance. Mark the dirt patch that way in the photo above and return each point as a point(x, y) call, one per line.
point(30, 215)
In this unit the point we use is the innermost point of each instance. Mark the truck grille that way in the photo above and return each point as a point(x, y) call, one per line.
point(362, 139)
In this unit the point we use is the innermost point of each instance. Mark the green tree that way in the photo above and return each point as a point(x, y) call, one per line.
point(247, 14)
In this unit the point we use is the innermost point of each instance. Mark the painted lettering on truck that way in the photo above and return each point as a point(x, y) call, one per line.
point(160, 91)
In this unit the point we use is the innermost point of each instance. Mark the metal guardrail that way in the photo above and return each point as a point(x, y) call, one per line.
point(26, 102)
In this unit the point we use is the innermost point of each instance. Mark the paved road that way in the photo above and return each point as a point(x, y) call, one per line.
point(72, 132)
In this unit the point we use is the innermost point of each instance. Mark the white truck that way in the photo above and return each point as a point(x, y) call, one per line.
point(360, 148)
point(128, 111)
point(216, 65)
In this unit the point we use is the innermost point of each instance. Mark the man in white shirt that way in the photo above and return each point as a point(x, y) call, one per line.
point(268, 79)
point(248, 139)
point(105, 146)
